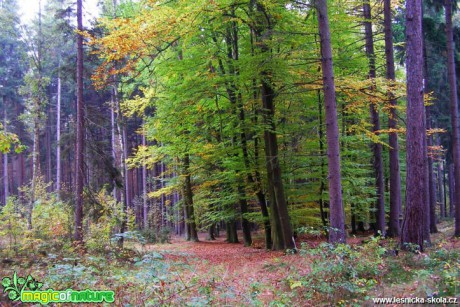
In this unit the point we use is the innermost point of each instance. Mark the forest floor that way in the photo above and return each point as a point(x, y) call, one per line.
point(215, 273)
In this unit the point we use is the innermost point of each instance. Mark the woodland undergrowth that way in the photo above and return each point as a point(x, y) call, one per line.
point(217, 273)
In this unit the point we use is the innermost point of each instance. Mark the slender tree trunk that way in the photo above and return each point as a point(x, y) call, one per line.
point(431, 189)
point(337, 220)
point(322, 186)
point(281, 227)
point(376, 147)
point(440, 181)
point(49, 176)
point(431, 179)
point(414, 224)
point(144, 185)
point(453, 110)
point(395, 177)
point(5, 157)
point(79, 154)
point(58, 135)
point(452, 195)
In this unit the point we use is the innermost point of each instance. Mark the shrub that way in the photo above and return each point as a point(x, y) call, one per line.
point(340, 273)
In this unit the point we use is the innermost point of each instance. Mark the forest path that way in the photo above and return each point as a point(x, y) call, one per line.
point(234, 265)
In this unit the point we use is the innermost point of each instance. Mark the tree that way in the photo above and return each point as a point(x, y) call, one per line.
point(395, 177)
point(414, 224)
point(448, 4)
point(80, 137)
point(376, 146)
point(337, 221)
point(280, 223)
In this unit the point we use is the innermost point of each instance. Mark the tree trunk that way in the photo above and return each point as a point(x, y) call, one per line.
point(58, 136)
point(281, 227)
point(451, 190)
point(232, 235)
point(337, 220)
point(5, 157)
point(188, 202)
point(414, 224)
point(376, 147)
point(453, 110)
point(431, 179)
point(144, 186)
point(395, 177)
point(440, 183)
point(431, 217)
point(79, 154)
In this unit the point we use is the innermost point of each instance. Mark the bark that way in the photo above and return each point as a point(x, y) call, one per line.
point(431, 179)
point(58, 136)
point(415, 217)
point(5, 157)
point(376, 147)
point(256, 179)
point(79, 154)
point(144, 188)
point(322, 187)
point(453, 110)
point(211, 231)
point(451, 190)
point(440, 183)
point(232, 235)
point(48, 153)
point(431, 217)
point(188, 201)
point(21, 163)
point(281, 227)
point(395, 176)
point(337, 220)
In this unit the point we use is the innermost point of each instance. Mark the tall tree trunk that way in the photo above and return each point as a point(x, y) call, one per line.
point(414, 224)
point(58, 135)
point(376, 147)
point(281, 227)
point(144, 185)
point(257, 178)
point(431, 179)
point(79, 154)
point(453, 110)
point(440, 183)
point(5, 156)
point(431, 217)
point(337, 219)
point(322, 187)
point(395, 176)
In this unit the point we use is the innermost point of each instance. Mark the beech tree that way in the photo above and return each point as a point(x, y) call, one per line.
point(337, 221)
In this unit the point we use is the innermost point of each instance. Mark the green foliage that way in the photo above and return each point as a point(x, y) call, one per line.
point(445, 264)
point(105, 216)
point(12, 225)
point(339, 273)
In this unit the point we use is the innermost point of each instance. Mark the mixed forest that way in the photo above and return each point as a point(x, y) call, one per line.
point(259, 152)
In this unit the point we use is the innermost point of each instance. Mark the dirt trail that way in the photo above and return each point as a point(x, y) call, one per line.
point(235, 265)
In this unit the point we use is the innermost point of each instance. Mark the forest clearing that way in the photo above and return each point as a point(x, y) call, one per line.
point(229, 153)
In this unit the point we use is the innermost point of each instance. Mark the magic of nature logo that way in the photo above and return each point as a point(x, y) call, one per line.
point(28, 290)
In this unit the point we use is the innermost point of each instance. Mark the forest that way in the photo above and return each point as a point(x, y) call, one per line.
point(229, 153)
